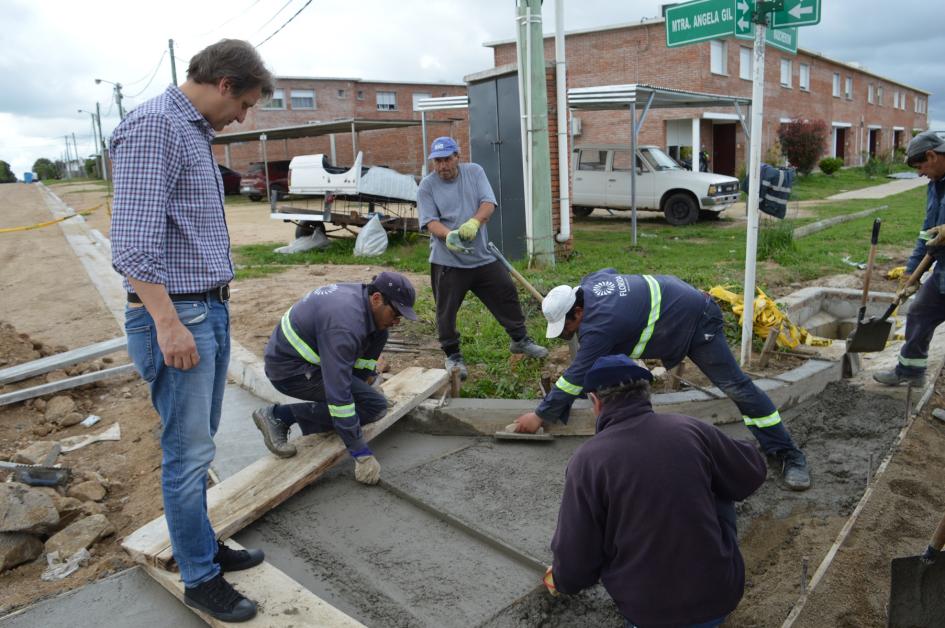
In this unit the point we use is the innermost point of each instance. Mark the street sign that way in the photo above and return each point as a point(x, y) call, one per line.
point(700, 20)
point(782, 38)
point(797, 13)
point(744, 27)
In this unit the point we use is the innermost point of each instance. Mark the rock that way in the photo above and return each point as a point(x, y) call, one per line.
point(56, 376)
point(17, 548)
point(89, 491)
point(80, 535)
point(91, 508)
point(39, 404)
point(70, 419)
point(34, 454)
point(59, 407)
point(24, 509)
point(42, 429)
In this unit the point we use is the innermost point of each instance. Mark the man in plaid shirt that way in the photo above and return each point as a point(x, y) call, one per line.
point(170, 242)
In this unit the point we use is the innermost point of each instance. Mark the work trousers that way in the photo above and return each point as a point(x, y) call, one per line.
point(313, 416)
point(926, 312)
point(189, 403)
point(710, 352)
point(494, 287)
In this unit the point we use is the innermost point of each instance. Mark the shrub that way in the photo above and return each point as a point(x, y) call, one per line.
point(45, 169)
point(829, 165)
point(803, 141)
point(774, 239)
point(877, 167)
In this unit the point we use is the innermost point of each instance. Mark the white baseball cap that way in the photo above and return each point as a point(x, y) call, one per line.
point(555, 306)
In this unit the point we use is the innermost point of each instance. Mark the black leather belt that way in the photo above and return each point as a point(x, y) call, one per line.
point(220, 293)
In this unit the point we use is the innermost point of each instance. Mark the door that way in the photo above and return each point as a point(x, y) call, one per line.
point(840, 143)
point(619, 182)
point(590, 177)
point(723, 149)
point(874, 141)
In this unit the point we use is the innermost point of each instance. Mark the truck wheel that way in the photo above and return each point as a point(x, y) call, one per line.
point(680, 209)
point(705, 214)
point(581, 212)
point(255, 198)
point(305, 229)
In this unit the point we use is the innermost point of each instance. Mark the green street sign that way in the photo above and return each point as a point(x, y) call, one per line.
point(797, 13)
point(700, 20)
point(744, 27)
point(783, 39)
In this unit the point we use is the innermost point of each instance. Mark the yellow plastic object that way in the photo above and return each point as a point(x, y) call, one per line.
point(896, 273)
point(768, 317)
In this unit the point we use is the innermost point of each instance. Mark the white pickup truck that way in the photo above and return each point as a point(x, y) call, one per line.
point(602, 179)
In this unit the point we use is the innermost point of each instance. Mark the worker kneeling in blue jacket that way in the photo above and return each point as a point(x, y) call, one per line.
point(664, 318)
point(648, 507)
point(325, 350)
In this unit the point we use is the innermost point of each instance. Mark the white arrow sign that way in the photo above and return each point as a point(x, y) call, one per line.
point(742, 24)
point(799, 11)
point(742, 6)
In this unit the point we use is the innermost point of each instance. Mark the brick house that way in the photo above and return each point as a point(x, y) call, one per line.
point(303, 100)
point(867, 114)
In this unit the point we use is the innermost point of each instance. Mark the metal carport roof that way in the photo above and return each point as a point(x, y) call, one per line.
point(346, 125)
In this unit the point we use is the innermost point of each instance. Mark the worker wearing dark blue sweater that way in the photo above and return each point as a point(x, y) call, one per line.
point(648, 507)
point(661, 317)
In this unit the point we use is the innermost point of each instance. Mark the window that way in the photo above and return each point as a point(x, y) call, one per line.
point(879, 95)
point(848, 88)
point(360, 94)
point(836, 85)
point(895, 100)
point(277, 101)
point(786, 72)
point(718, 57)
point(303, 98)
point(902, 101)
point(803, 77)
point(870, 93)
point(744, 63)
point(418, 95)
point(342, 93)
point(594, 160)
point(386, 101)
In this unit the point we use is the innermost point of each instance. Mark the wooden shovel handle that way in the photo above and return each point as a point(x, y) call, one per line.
point(874, 240)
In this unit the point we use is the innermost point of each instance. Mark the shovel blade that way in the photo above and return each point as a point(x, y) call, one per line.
point(916, 593)
point(869, 336)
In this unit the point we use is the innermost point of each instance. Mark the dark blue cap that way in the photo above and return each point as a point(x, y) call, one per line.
point(612, 370)
point(399, 291)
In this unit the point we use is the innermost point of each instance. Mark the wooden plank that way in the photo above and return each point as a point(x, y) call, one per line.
point(242, 498)
point(61, 360)
point(65, 384)
point(282, 602)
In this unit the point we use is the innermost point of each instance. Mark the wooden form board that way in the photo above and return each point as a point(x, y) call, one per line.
point(282, 602)
point(244, 497)
point(65, 384)
point(61, 360)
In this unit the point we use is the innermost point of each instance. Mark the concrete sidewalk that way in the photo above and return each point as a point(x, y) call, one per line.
point(895, 186)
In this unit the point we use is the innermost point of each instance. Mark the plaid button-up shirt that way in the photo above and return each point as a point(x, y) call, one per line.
point(168, 225)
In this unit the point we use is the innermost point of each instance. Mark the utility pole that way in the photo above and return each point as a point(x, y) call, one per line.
point(170, 46)
point(121, 110)
point(102, 147)
point(68, 161)
point(79, 163)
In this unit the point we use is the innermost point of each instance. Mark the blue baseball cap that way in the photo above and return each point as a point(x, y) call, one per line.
point(612, 370)
point(443, 147)
point(399, 291)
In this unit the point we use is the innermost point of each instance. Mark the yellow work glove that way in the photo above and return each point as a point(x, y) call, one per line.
point(469, 229)
point(455, 243)
point(936, 235)
point(549, 582)
point(907, 291)
point(367, 470)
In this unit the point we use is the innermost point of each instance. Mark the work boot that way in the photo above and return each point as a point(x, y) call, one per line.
point(219, 599)
point(893, 378)
point(456, 360)
point(529, 347)
point(275, 433)
point(236, 560)
point(794, 470)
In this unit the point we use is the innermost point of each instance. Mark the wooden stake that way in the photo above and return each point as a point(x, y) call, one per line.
point(770, 342)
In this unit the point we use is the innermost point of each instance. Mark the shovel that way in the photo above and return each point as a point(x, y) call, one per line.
point(40, 474)
point(917, 590)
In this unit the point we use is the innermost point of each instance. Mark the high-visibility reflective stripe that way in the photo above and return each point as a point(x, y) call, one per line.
point(925, 235)
point(340, 412)
point(301, 347)
point(656, 298)
point(766, 421)
point(568, 387)
point(917, 362)
point(364, 363)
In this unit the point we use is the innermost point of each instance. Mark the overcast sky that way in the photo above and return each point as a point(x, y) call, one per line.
point(54, 49)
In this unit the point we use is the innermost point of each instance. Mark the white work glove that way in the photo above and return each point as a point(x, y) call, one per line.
point(936, 236)
point(455, 243)
point(907, 291)
point(367, 470)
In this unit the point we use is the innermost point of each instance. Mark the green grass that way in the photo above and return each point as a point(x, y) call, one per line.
point(817, 185)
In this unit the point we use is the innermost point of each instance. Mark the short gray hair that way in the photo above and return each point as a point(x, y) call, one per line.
point(232, 59)
point(636, 389)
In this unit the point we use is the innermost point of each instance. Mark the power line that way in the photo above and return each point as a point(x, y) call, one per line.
point(153, 74)
point(146, 76)
point(243, 12)
point(266, 23)
point(286, 24)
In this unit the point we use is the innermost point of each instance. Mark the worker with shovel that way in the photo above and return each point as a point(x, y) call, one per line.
point(925, 153)
point(325, 350)
point(659, 317)
point(455, 202)
point(648, 507)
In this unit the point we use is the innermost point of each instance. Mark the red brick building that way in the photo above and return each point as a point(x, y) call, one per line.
point(866, 113)
point(304, 100)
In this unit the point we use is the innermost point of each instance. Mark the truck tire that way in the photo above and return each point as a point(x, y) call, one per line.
point(255, 197)
point(305, 229)
point(707, 214)
point(580, 211)
point(680, 209)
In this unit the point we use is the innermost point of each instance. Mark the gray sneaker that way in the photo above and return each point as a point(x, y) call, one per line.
point(529, 347)
point(456, 361)
point(892, 378)
point(275, 433)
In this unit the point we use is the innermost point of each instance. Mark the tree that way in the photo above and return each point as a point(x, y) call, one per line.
point(91, 167)
point(45, 169)
point(6, 174)
point(803, 142)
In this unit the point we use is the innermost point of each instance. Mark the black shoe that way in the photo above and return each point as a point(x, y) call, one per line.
point(275, 433)
point(217, 598)
point(237, 560)
point(794, 470)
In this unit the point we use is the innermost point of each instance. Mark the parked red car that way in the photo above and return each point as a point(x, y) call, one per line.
point(231, 180)
point(254, 181)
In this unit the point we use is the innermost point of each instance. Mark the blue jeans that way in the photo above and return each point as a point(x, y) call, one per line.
point(189, 403)
point(709, 351)
point(925, 314)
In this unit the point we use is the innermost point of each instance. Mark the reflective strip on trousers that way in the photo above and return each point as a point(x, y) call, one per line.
point(364, 363)
point(300, 346)
point(656, 298)
point(568, 387)
point(766, 421)
point(920, 363)
point(341, 412)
